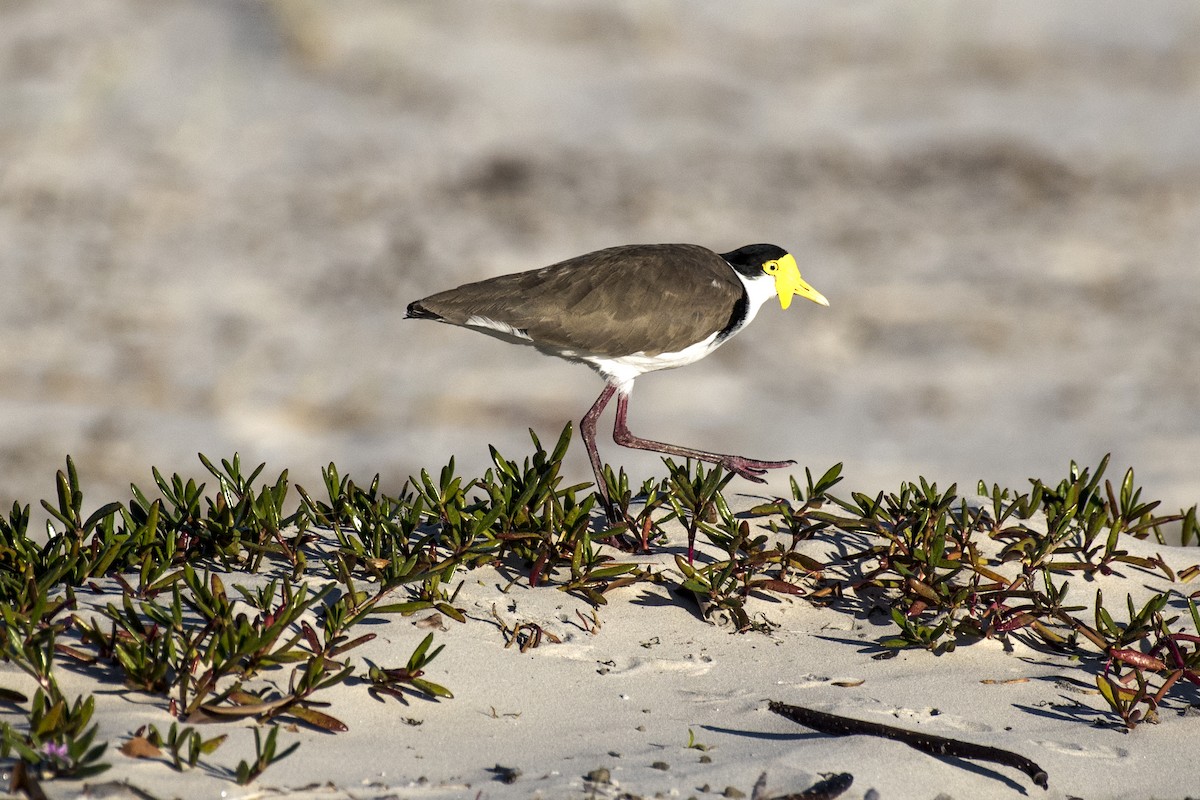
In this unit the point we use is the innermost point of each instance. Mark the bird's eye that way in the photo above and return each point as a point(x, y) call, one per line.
point(771, 266)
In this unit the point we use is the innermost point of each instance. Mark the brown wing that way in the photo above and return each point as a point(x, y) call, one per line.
point(635, 298)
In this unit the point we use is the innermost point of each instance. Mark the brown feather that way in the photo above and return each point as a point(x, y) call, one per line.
point(650, 299)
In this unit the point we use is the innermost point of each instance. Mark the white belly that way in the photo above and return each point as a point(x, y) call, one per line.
point(624, 369)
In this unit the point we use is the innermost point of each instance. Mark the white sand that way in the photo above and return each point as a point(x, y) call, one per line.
point(625, 697)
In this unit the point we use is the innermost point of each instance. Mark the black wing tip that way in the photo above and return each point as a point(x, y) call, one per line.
point(417, 311)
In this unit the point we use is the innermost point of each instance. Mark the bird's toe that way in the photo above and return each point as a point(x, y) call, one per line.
point(751, 469)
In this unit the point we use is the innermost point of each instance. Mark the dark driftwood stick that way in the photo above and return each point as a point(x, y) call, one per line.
point(832, 787)
point(925, 742)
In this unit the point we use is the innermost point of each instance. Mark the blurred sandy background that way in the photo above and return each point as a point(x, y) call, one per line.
point(212, 214)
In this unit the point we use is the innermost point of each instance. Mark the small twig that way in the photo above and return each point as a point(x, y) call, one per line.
point(835, 725)
point(830, 787)
point(592, 625)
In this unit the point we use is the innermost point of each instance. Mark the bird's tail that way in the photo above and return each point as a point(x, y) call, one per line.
point(418, 311)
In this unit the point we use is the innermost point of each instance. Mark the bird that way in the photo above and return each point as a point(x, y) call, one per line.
point(625, 311)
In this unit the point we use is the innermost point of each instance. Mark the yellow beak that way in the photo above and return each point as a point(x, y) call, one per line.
point(788, 282)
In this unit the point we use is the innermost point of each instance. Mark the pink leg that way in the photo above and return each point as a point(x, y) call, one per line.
point(587, 429)
point(748, 468)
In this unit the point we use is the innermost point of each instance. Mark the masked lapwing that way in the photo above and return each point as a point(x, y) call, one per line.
point(628, 310)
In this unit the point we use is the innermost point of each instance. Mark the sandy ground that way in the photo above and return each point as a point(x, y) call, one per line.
point(625, 696)
point(212, 214)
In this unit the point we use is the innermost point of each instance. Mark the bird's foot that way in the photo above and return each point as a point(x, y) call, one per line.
point(751, 469)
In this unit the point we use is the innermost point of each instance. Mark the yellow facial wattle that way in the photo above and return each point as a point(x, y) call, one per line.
point(788, 282)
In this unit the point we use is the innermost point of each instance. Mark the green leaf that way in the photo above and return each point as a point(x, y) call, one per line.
point(318, 719)
point(101, 513)
point(431, 688)
point(89, 771)
point(12, 696)
point(1106, 689)
point(209, 746)
point(51, 720)
point(451, 612)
